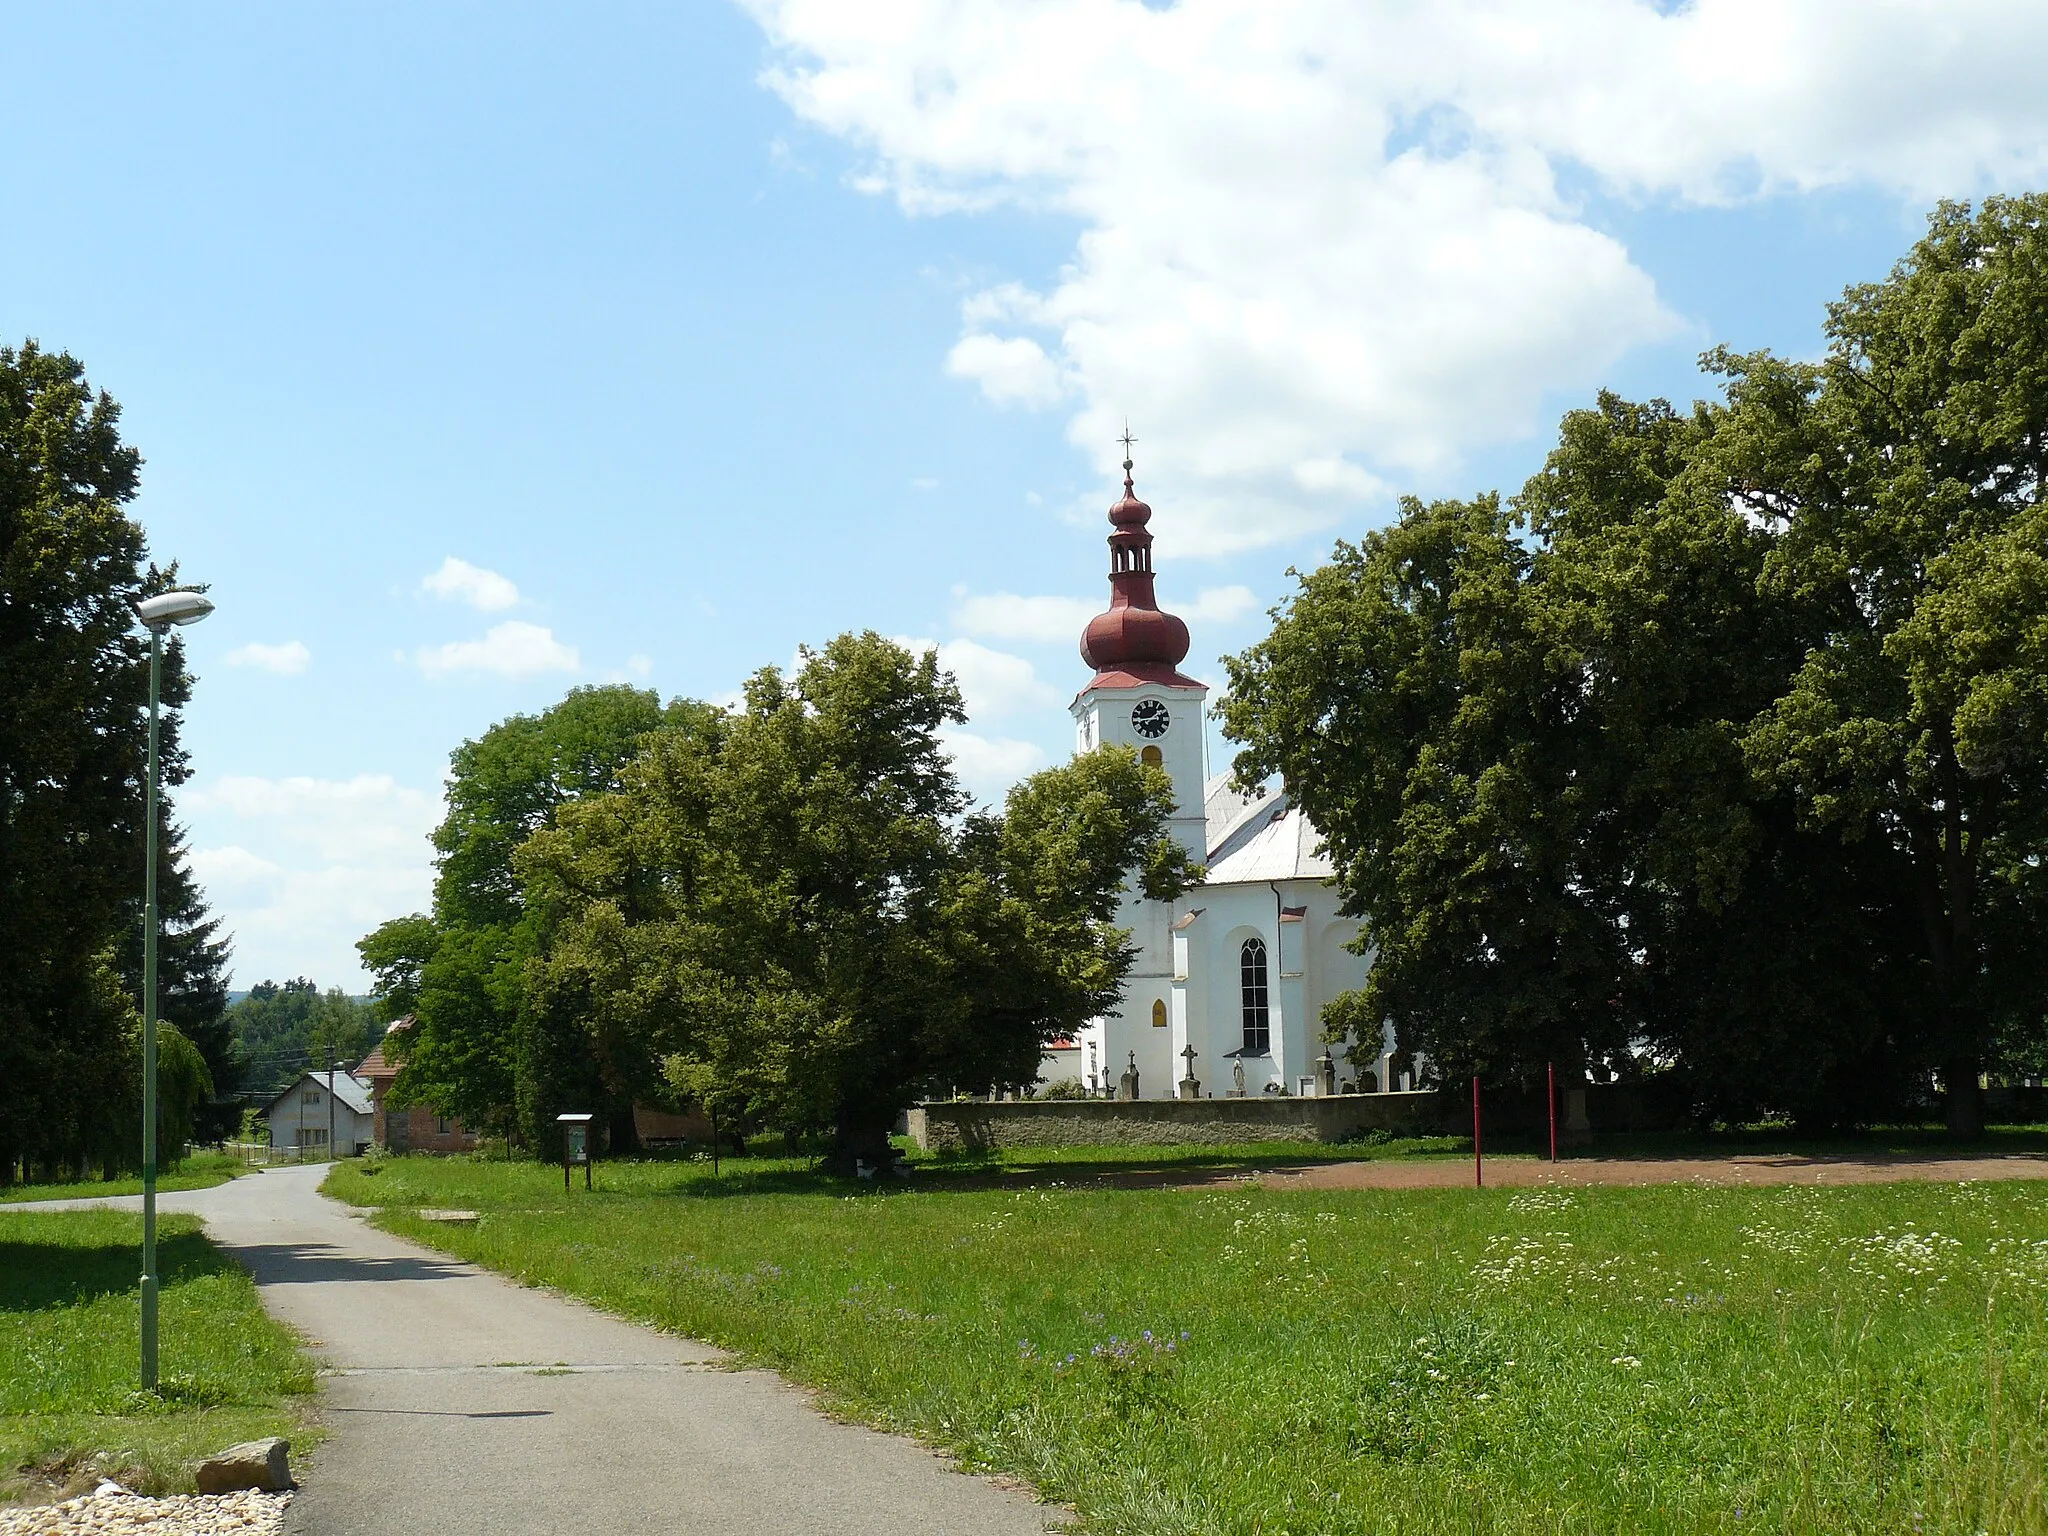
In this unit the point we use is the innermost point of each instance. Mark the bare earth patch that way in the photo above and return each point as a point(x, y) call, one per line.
point(1758, 1168)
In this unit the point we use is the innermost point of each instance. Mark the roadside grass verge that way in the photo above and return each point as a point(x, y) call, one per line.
point(1233, 1360)
point(202, 1170)
point(70, 1325)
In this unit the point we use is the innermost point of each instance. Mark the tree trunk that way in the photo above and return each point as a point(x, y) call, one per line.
point(858, 1142)
point(1964, 1099)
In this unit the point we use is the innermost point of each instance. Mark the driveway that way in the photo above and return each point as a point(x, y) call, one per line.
point(459, 1402)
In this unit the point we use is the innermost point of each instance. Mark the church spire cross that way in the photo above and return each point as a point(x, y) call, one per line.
point(1127, 440)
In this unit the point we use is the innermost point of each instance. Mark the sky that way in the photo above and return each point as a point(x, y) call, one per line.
point(480, 351)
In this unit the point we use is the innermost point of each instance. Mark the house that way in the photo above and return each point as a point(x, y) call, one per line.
point(321, 1113)
point(414, 1127)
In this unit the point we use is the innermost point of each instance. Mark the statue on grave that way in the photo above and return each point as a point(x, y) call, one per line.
point(1237, 1078)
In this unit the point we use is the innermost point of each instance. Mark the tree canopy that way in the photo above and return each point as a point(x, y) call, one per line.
point(280, 1031)
point(788, 911)
point(73, 705)
point(1722, 748)
point(459, 971)
point(792, 905)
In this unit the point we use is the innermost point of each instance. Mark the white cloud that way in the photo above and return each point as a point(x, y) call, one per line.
point(1011, 370)
point(512, 649)
point(988, 766)
point(639, 665)
point(1006, 616)
point(459, 581)
point(287, 660)
point(992, 683)
point(302, 867)
point(1220, 605)
point(1323, 245)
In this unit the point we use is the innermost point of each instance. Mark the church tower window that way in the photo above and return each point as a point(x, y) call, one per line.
point(1251, 964)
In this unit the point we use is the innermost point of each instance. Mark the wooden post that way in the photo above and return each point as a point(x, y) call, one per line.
point(1478, 1158)
point(1550, 1074)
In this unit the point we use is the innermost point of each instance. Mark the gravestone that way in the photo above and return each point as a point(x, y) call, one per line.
point(1127, 1086)
point(1189, 1087)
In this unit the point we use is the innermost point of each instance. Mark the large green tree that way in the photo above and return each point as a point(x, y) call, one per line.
point(73, 696)
point(791, 908)
point(459, 970)
point(1904, 477)
point(1723, 748)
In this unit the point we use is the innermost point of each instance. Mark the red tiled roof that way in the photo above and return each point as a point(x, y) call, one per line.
point(374, 1067)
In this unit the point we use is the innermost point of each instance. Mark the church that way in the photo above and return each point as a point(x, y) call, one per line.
point(1230, 982)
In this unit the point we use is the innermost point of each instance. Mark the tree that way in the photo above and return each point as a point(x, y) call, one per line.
point(191, 975)
point(73, 700)
point(459, 971)
point(791, 905)
point(1905, 477)
point(1724, 750)
point(280, 1031)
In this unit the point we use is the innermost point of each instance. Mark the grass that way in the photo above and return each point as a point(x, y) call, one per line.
point(1232, 1360)
point(202, 1170)
point(70, 1321)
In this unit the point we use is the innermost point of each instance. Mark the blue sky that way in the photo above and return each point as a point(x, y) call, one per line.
point(689, 334)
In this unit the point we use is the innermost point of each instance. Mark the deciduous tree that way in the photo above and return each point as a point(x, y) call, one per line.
point(793, 903)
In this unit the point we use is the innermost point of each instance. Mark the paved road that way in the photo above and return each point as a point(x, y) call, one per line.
point(458, 1402)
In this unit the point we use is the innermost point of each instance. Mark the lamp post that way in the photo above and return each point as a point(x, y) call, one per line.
point(158, 614)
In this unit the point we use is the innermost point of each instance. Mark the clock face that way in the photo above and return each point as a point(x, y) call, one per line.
point(1150, 718)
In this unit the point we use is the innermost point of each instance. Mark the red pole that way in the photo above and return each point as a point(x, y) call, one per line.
point(1551, 1070)
point(1478, 1164)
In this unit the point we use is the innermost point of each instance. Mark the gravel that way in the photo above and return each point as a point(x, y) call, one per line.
point(111, 1510)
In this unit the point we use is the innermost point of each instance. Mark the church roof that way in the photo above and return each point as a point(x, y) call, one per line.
point(1259, 837)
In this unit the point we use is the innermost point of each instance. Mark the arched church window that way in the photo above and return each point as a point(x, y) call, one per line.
point(1151, 757)
point(1251, 969)
point(1159, 1013)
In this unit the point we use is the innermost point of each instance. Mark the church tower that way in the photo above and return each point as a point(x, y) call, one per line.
point(1138, 697)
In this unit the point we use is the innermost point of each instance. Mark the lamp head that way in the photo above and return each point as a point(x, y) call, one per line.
point(167, 608)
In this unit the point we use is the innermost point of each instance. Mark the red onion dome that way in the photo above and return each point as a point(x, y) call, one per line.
point(1134, 636)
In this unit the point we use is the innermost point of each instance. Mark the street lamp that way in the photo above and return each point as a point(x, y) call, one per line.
point(158, 614)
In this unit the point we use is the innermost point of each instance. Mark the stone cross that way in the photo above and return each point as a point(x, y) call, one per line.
point(1189, 1087)
point(1128, 1089)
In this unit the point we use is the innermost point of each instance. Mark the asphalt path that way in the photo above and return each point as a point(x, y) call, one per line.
point(458, 1402)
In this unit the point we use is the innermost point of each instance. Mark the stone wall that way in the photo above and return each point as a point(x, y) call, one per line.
point(973, 1126)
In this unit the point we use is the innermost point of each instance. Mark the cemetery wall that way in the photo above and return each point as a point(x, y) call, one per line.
point(965, 1126)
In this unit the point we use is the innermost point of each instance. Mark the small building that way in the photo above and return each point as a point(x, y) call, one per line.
point(305, 1116)
point(413, 1127)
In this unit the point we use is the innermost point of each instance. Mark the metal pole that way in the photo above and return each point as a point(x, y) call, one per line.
point(330, 1104)
point(1550, 1072)
point(149, 1286)
point(1478, 1161)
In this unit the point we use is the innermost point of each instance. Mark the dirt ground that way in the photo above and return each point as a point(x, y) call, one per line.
point(1760, 1168)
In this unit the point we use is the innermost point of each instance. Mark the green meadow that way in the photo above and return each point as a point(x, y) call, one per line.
point(1230, 1359)
point(71, 1408)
